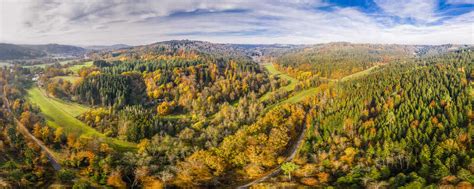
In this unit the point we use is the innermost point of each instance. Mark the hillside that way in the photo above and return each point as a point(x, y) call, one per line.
point(244, 51)
point(433, 50)
point(327, 60)
point(25, 52)
point(11, 51)
point(107, 47)
point(58, 50)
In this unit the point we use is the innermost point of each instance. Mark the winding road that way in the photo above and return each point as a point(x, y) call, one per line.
point(277, 170)
point(52, 159)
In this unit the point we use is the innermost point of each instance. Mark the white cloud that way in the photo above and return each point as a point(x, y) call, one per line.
point(421, 10)
point(233, 21)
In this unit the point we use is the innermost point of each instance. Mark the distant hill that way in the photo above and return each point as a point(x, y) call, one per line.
point(11, 51)
point(227, 48)
point(107, 47)
point(367, 53)
point(341, 49)
point(198, 46)
point(175, 47)
point(327, 59)
point(22, 52)
point(201, 47)
point(59, 50)
point(433, 50)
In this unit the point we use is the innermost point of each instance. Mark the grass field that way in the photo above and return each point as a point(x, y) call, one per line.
point(271, 69)
point(311, 91)
point(296, 97)
point(47, 64)
point(359, 74)
point(76, 68)
point(59, 113)
point(38, 65)
point(308, 92)
point(70, 78)
point(300, 95)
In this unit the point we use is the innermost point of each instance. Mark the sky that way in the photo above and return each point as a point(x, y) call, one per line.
point(137, 22)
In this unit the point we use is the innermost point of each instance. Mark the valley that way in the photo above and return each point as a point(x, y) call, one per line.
point(215, 118)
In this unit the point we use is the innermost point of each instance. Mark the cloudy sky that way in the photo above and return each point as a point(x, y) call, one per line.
point(134, 22)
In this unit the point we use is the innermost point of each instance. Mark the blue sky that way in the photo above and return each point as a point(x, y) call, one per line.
point(94, 22)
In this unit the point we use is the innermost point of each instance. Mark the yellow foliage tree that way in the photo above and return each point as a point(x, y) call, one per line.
point(58, 135)
point(166, 108)
point(37, 130)
point(115, 180)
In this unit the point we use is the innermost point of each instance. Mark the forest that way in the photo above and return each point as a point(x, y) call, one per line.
point(186, 114)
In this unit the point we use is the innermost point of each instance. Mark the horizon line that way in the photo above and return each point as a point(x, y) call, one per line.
point(230, 43)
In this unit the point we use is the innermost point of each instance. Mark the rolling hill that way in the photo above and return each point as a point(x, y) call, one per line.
point(58, 50)
point(107, 47)
point(11, 51)
point(24, 52)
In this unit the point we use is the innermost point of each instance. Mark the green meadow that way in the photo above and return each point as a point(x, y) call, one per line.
point(76, 68)
point(63, 114)
point(271, 69)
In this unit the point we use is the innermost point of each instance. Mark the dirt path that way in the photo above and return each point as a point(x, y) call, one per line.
point(28, 135)
point(277, 170)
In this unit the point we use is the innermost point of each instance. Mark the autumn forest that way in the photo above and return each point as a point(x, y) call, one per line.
point(186, 114)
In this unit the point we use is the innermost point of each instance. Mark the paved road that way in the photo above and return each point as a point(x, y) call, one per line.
point(277, 170)
point(28, 135)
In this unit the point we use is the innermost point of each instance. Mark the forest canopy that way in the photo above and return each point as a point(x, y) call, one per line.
point(198, 114)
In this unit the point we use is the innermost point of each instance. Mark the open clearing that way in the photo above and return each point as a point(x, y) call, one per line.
point(59, 113)
point(46, 64)
point(301, 95)
point(76, 68)
point(73, 77)
point(359, 74)
point(271, 69)
point(296, 97)
point(69, 78)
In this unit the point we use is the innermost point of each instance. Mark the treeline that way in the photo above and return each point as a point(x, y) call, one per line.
point(336, 60)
